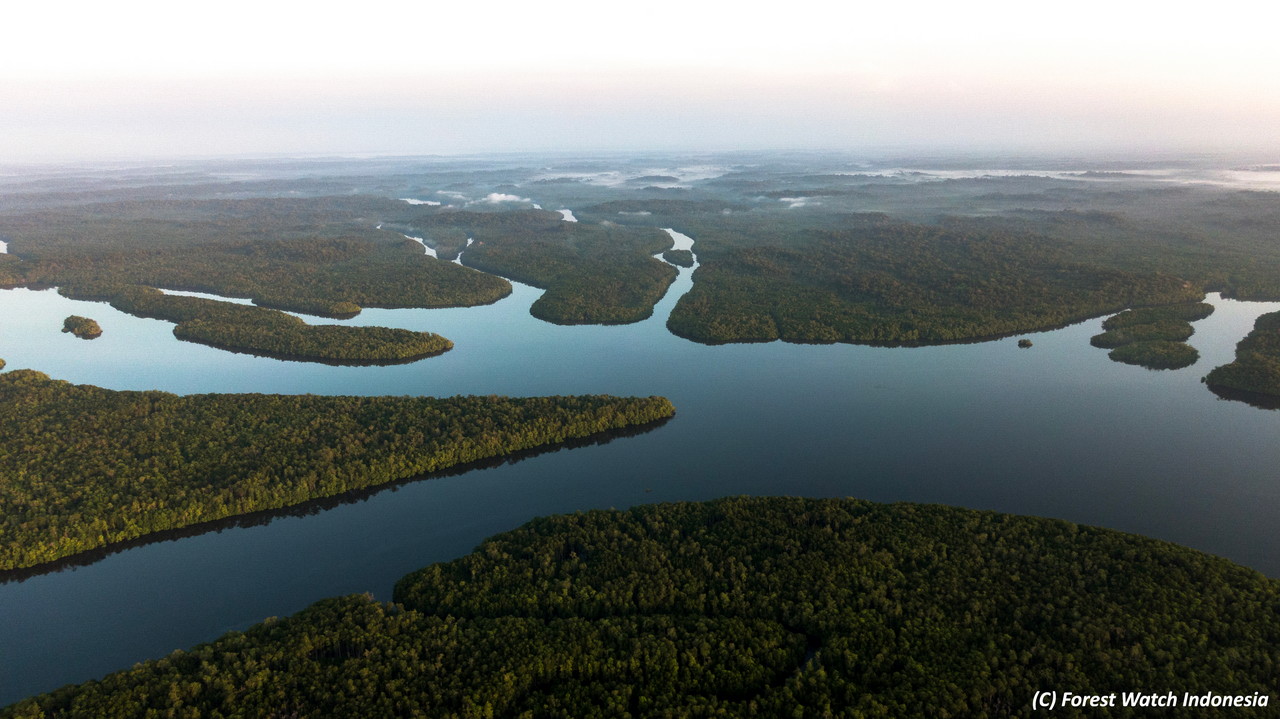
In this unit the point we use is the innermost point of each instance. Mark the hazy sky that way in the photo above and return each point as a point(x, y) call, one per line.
point(142, 78)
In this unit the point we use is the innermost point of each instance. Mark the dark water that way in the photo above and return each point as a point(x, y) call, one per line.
point(1055, 430)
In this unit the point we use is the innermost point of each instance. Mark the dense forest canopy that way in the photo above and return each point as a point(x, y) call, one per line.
point(82, 327)
point(592, 273)
point(874, 280)
point(1256, 369)
point(805, 249)
point(266, 332)
point(1153, 337)
point(322, 256)
point(742, 607)
point(82, 467)
point(739, 607)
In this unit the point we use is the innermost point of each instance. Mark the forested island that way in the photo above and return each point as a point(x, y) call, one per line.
point(266, 332)
point(681, 258)
point(1256, 369)
point(82, 327)
point(1153, 337)
point(741, 607)
point(83, 467)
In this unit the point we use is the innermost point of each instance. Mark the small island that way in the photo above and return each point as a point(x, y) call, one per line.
point(1024, 343)
point(82, 327)
point(681, 258)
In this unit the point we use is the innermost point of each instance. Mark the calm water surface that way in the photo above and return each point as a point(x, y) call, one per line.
point(1055, 430)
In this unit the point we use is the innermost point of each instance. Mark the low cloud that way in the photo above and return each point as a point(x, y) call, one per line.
point(495, 198)
point(794, 202)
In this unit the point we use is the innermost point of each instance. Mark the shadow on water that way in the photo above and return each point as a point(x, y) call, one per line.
point(315, 506)
point(1255, 399)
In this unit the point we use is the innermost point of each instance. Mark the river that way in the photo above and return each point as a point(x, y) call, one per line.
point(1055, 430)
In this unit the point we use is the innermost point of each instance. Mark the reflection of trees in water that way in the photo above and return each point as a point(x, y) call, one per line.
point(1255, 399)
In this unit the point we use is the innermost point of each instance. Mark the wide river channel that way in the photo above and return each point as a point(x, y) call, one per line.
point(1055, 430)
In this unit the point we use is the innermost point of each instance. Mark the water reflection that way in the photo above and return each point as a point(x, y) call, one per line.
point(1058, 430)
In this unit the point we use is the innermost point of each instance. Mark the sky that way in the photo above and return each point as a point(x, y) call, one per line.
point(139, 78)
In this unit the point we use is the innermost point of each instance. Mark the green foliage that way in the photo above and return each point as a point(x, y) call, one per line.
point(1153, 337)
point(655, 212)
point(82, 467)
point(683, 258)
point(592, 273)
point(1156, 354)
point(321, 256)
point(1187, 312)
point(11, 272)
point(740, 607)
point(1217, 239)
point(1161, 330)
point(877, 281)
point(265, 332)
point(82, 327)
point(1256, 368)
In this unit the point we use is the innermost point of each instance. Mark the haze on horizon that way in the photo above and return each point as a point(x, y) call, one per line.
point(147, 79)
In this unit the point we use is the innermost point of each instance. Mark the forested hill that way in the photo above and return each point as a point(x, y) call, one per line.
point(83, 467)
point(743, 607)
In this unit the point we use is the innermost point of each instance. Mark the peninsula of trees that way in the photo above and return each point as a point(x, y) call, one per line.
point(83, 467)
point(593, 273)
point(804, 257)
point(1256, 369)
point(266, 332)
point(1153, 337)
point(873, 280)
point(321, 256)
point(741, 607)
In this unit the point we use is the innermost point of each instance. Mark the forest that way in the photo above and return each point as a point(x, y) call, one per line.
point(785, 252)
point(266, 332)
point(83, 467)
point(1256, 369)
point(740, 607)
point(873, 280)
point(1153, 337)
point(592, 273)
point(82, 327)
point(682, 258)
point(321, 256)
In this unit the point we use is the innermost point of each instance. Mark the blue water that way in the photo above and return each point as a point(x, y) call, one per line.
point(1056, 430)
